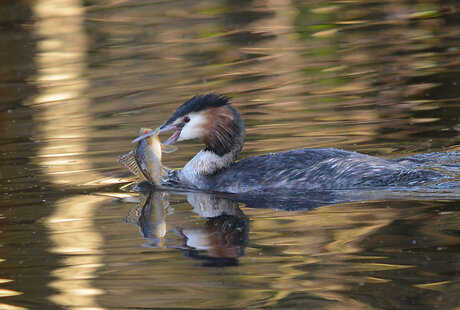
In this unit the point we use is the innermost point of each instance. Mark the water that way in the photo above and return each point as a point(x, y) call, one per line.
point(79, 78)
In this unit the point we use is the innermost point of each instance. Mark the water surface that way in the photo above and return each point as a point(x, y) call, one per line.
point(79, 78)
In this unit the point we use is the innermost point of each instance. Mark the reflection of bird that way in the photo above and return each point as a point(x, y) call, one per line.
point(219, 242)
point(224, 236)
point(218, 124)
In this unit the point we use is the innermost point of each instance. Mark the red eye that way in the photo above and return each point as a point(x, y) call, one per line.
point(186, 119)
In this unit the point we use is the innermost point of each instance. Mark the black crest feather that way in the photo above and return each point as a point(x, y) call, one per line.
point(199, 103)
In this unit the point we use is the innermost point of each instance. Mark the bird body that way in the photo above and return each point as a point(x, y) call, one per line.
point(312, 169)
point(218, 124)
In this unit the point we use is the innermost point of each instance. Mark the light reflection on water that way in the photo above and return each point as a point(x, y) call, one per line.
point(80, 78)
point(61, 64)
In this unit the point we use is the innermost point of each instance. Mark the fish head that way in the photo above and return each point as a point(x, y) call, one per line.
point(152, 140)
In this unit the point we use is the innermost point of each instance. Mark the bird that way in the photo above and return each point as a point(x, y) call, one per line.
point(214, 120)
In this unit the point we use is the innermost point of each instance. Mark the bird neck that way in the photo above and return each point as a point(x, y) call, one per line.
point(207, 163)
point(224, 143)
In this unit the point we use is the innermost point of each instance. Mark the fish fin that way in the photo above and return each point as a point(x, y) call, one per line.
point(165, 173)
point(129, 161)
point(143, 199)
point(165, 148)
point(135, 213)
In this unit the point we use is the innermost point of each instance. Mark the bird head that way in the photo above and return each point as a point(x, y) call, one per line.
point(209, 117)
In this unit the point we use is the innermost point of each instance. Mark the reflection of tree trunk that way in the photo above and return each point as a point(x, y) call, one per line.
point(62, 109)
point(17, 52)
point(284, 67)
point(74, 234)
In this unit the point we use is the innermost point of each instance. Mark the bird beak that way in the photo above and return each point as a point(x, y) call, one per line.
point(166, 127)
point(174, 137)
point(163, 128)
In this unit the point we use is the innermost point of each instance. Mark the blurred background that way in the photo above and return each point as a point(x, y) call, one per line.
point(78, 78)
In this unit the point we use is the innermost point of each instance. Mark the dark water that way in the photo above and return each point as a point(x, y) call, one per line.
point(78, 79)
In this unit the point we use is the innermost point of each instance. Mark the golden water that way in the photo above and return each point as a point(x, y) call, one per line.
point(79, 78)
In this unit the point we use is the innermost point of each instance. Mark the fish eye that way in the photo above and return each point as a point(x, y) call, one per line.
point(186, 119)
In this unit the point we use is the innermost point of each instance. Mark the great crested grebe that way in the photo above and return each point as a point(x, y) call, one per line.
point(218, 124)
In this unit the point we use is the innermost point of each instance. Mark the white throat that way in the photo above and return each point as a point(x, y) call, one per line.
point(204, 164)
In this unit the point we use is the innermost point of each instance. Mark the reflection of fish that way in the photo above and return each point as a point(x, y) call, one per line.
point(145, 160)
point(150, 215)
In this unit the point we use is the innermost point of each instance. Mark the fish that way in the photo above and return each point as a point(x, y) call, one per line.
point(145, 160)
